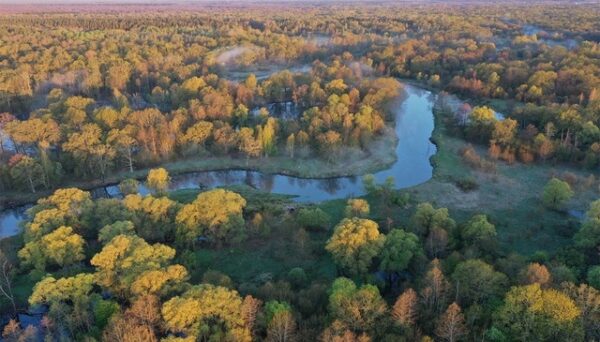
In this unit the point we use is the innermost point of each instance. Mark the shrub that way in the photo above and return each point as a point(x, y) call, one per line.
point(315, 219)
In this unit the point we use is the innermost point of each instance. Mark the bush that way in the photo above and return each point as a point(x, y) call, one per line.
point(467, 184)
point(297, 277)
point(315, 219)
point(217, 278)
point(129, 186)
point(593, 277)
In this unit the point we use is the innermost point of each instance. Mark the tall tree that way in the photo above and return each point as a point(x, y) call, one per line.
point(451, 325)
point(354, 244)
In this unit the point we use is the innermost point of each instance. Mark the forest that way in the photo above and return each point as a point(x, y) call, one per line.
point(300, 171)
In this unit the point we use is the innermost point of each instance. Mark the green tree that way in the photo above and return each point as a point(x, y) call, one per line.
point(588, 236)
point(109, 231)
point(399, 249)
point(593, 276)
point(556, 194)
point(359, 309)
point(480, 233)
point(426, 218)
point(129, 186)
point(354, 244)
point(314, 218)
point(26, 171)
point(476, 282)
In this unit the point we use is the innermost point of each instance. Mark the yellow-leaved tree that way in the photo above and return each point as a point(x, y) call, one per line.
point(354, 244)
point(127, 260)
point(216, 214)
point(208, 313)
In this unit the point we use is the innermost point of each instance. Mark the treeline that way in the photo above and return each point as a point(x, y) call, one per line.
point(127, 270)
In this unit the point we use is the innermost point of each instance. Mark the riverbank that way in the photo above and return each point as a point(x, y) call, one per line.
point(379, 155)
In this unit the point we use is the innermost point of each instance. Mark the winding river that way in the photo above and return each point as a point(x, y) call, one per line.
point(414, 125)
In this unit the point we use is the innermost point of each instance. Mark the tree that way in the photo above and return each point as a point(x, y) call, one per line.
point(198, 133)
point(481, 123)
point(158, 180)
point(124, 259)
point(129, 186)
point(556, 194)
point(536, 273)
point(38, 132)
point(158, 282)
point(504, 131)
point(588, 236)
point(587, 300)
point(290, 145)
point(477, 282)
point(124, 144)
point(451, 325)
point(250, 146)
point(89, 150)
point(282, 327)
point(354, 244)
point(13, 333)
point(208, 313)
point(152, 216)
point(6, 278)
point(398, 250)
point(357, 207)
point(593, 276)
point(26, 171)
point(480, 233)
point(359, 309)
point(216, 214)
point(68, 299)
point(109, 231)
point(63, 247)
point(250, 310)
point(530, 313)
point(404, 311)
point(138, 323)
point(315, 219)
point(426, 218)
point(5, 118)
point(436, 288)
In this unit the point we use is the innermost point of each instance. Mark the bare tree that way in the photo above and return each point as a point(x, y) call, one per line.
point(6, 275)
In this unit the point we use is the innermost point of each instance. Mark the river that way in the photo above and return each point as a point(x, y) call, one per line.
point(413, 125)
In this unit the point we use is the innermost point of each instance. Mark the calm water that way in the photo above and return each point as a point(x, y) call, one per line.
point(414, 124)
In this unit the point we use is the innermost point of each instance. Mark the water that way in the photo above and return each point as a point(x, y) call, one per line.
point(414, 125)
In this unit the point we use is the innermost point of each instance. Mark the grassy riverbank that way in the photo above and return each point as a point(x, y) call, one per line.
point(346, 162)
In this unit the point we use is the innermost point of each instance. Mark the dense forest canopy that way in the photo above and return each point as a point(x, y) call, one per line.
point(92, 95)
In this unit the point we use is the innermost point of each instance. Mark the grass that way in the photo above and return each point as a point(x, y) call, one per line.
point(269, 253)
point(510, 196)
